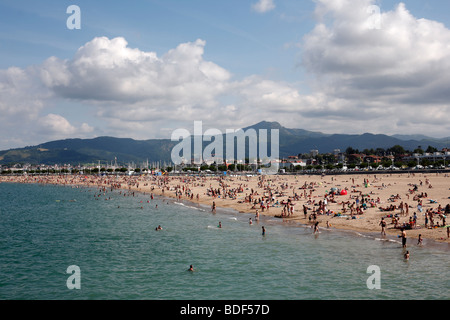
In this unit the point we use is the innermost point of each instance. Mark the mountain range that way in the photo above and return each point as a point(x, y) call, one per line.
point(125, 150)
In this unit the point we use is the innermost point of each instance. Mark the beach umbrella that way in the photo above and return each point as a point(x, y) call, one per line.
point(343, 192)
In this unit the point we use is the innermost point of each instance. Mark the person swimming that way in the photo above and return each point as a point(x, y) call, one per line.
point(406, 255)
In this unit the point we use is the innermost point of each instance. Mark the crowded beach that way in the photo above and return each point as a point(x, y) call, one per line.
point(412, 205)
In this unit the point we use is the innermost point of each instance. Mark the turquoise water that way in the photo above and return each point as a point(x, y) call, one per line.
point(46, 229)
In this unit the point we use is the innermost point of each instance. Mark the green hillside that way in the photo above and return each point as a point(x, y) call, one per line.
point(125, 150)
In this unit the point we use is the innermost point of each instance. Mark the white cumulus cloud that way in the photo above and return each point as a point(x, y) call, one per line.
point(59, 127)
point(383, 76)
point(110, 71)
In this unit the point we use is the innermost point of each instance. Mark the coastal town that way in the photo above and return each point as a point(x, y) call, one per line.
point(338, 161)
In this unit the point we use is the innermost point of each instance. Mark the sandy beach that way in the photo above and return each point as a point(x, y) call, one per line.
point(415, 202)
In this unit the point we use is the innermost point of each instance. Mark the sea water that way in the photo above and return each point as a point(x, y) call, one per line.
point(111, 237)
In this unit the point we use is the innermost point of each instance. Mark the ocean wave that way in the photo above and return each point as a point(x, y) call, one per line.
point(186, 206)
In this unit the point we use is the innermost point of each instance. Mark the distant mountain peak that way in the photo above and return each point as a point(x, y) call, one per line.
point(266, 125)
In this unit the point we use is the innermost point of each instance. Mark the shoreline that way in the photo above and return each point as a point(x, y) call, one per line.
point(301, 223)
point(286, 193)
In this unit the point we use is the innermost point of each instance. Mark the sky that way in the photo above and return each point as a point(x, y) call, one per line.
point(143, 68)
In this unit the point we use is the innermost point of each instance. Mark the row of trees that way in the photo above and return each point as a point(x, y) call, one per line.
point(395, 150)
point(364, 165)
